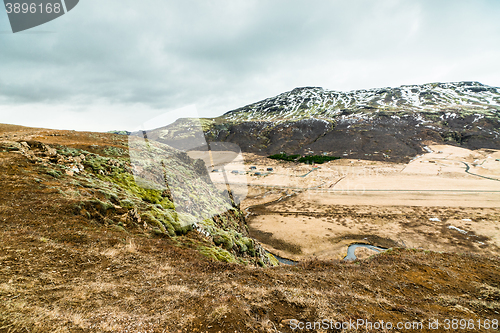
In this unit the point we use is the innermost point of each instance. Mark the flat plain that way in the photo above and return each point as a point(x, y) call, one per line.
point(445, 200)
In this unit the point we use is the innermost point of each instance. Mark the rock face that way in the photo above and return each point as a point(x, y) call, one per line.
point(378, 124)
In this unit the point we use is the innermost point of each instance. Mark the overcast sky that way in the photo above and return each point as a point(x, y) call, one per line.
point(115, 64)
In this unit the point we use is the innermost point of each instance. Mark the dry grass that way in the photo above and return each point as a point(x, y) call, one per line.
point(105, 280)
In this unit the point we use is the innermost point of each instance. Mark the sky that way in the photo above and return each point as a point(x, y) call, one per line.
point(116, 64)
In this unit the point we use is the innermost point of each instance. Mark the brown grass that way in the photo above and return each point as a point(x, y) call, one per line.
point(61, 272)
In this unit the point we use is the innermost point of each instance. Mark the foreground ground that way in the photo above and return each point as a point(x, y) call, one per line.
point(61, 272)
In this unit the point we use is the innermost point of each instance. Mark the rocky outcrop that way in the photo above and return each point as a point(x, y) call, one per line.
point(115, 199)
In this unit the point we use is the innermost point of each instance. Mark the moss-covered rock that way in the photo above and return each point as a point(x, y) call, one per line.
point(216, 253)
point(119, 191)
point(224, 239)
point(272, 259)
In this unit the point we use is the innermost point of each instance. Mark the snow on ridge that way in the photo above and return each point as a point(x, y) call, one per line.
point(318, 102)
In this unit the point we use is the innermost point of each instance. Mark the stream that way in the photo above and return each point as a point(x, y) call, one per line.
point(352, 248)
point(284, 260)
point(350, 253)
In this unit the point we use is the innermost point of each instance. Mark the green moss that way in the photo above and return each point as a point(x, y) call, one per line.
point(183, 223)
point(95, 162)
point(127, 182)
point(389, 251)
point(127, 204)
point(114, 151)
point(242, 246)
point(272, 260)
point(223, 238)
point(207, 223)
point(153, 221)
point(100, 206)
point(54, 173)
point(68, 151)
point(109, 195)
point(114, 181)
point(249, 243)
point(216, 253)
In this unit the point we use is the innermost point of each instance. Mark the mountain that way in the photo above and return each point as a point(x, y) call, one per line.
point(316, 102)
point(382, 123)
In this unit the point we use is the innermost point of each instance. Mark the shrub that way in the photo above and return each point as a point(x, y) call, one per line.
point(284, 157)
point(318, 159)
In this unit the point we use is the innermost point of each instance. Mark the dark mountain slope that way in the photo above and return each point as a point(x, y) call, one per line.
point(365, 123)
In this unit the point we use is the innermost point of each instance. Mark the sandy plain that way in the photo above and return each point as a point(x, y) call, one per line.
point(445, 200)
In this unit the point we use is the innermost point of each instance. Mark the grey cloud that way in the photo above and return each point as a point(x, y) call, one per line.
point(223, 54)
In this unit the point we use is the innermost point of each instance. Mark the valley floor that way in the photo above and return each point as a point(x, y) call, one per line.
point(445, 200)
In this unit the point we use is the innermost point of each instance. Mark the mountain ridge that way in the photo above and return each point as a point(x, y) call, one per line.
point(376, 124)
point(391, 124)
point(306, 102)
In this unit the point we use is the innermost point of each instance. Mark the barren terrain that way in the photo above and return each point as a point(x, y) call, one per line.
point(61, 271)
point(444, 200)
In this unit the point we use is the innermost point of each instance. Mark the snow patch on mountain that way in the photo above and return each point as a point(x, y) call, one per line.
point(318, 103)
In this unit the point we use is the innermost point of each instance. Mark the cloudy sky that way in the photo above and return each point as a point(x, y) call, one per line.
point(115, 64)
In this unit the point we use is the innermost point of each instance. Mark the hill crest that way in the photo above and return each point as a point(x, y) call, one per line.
point(319, 103)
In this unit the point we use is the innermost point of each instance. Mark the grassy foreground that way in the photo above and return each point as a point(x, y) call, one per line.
point(62, 271)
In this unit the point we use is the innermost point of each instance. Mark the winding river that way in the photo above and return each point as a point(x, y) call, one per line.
point(352, 248)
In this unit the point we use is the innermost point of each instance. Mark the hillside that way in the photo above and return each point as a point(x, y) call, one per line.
point(96, 181)
point(75, 260)
point(375, 124)
point(316, 102)
point(81, 250)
